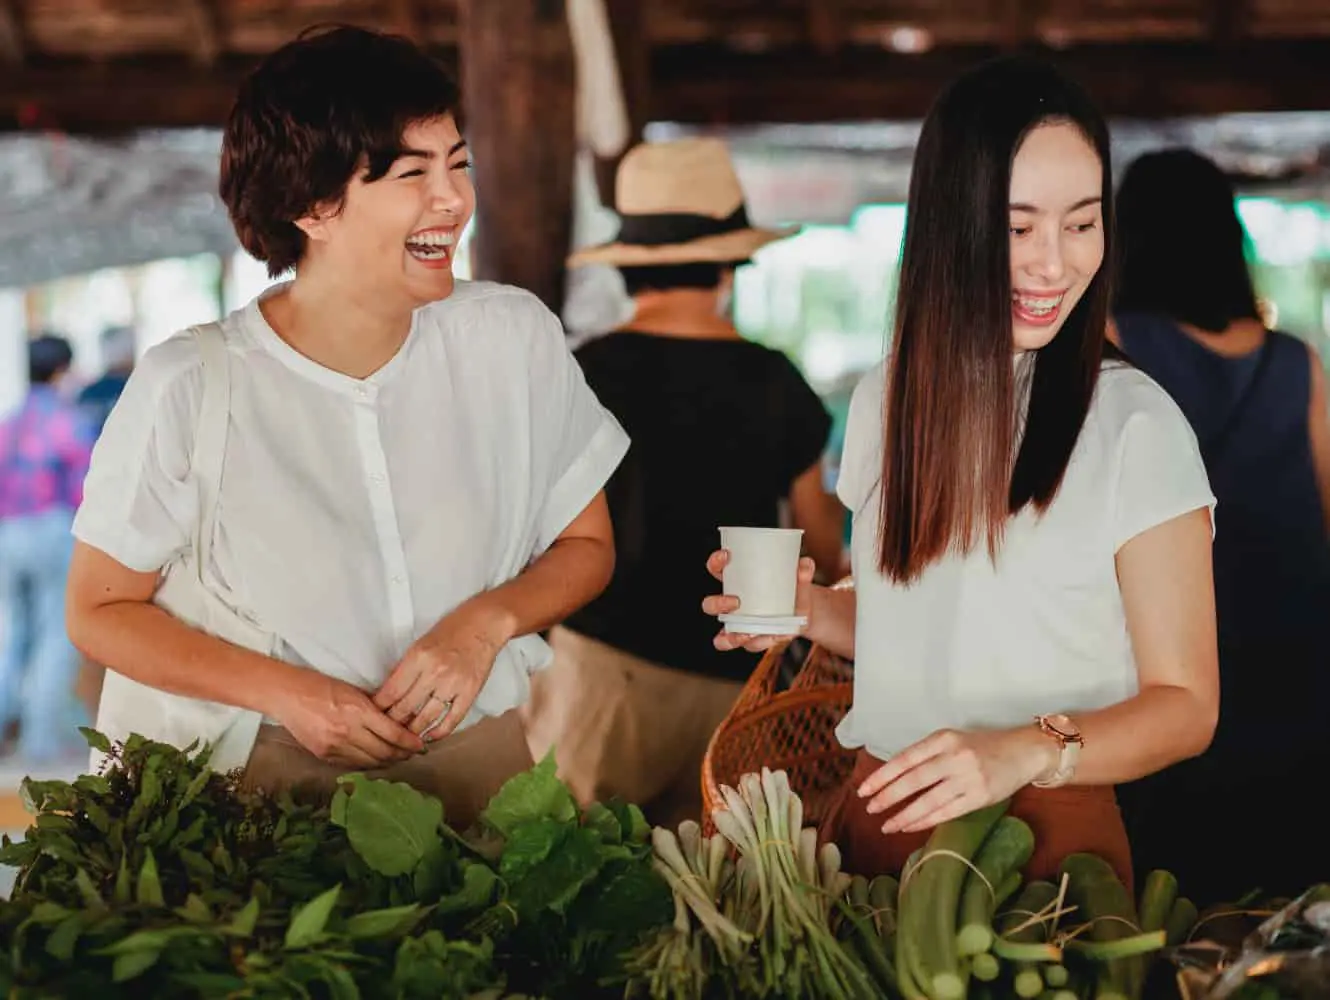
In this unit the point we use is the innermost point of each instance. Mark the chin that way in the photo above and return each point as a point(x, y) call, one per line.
point(1032, 338)
point(433, 288)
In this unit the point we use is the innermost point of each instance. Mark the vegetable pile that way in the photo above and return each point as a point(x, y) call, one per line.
point(161, 878)
point(783, 921)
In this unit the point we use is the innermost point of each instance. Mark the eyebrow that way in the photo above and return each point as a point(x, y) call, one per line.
point(1020, 206)
point(427, 154)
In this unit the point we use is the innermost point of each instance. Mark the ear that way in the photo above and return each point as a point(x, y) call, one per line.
point(315, 224)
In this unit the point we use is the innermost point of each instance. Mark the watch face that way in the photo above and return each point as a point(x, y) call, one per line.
point(1064, 727)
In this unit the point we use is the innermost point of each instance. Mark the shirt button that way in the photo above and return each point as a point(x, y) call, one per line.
point(375, 478)
point(399, 580)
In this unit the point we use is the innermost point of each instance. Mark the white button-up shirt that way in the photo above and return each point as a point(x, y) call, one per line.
point(355, 513)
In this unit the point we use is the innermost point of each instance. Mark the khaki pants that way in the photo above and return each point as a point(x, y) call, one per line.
point(463, 770)
point(624, 728)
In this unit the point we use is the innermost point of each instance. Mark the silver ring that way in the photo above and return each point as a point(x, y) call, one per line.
point(447, 707)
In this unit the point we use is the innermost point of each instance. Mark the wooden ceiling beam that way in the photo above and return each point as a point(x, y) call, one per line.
point(405, 19)
point(204, 31)
point(715, 85)
point(718, 86)
point(13, 48)
point(825, 25)
point(1229, 21)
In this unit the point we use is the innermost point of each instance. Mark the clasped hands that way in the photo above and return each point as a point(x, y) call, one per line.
point(427, 694)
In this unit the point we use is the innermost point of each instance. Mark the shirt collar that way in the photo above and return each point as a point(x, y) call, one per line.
point(359, 389)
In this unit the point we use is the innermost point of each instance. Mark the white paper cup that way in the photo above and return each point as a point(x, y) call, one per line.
point(763, 571)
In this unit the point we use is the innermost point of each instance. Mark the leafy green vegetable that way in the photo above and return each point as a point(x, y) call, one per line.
point(391, 825)
point(162, 878)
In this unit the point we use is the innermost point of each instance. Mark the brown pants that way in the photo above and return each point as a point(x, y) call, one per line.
point(1064, 820)
point(621, 727)
point(463, 770)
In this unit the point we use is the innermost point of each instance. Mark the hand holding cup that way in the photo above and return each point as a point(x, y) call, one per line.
point(763, 577)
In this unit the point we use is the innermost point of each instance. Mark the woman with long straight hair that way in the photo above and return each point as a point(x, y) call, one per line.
point(1033, 610)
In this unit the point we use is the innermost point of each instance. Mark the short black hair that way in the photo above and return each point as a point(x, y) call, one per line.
point(1182, 247)
point(307, 118)
point(663, 277)
point(48, 356)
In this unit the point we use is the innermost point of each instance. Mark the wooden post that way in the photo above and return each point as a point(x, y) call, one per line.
point(632, 52)
point(518, 85)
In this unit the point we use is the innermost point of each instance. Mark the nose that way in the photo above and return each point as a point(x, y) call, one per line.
point(445, 195)
point(1047, 260)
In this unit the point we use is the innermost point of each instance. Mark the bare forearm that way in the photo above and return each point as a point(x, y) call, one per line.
point(831, 620)
point(572, 572)
point(146, 644)
point(1145, 734)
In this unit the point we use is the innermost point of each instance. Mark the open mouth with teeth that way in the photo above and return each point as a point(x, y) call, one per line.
point(431, 246)
point(1036, 309)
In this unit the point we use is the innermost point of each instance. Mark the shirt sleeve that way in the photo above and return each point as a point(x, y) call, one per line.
point(1160, 473)
point(140, 505)
point(861, 457)
point(580, 440)
point(807, 423)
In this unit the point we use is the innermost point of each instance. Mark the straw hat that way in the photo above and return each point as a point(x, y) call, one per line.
point(680, 203)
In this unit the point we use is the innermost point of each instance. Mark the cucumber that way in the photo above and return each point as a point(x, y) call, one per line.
point(1004, 852)
point(866, 945)
point(1102, 901)
point(1161, 892)
point(883, 897)
point(985, 967)
point(1181, 919)
point(1027, 947)
point(926, 938)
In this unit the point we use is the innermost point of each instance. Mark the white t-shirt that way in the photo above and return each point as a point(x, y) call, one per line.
point(978, 644)
point(354, 514)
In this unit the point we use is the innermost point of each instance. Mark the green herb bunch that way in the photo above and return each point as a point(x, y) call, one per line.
point(162, 878)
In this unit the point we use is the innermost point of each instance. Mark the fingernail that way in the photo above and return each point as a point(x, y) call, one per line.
point(862, 791)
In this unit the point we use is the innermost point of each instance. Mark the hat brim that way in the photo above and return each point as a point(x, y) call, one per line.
point(719, 249)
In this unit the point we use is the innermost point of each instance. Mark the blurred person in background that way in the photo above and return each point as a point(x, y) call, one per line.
point(99, 398)
point(45, 449)
point(1187, 314)
point(725, 431)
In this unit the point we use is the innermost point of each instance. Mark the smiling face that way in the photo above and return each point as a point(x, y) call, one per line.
point(397, 234)
point(1057, 230)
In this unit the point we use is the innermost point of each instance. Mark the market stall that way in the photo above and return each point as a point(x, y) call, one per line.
point(160, 878)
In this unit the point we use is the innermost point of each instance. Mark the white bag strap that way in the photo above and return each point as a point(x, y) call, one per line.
point(210, 437)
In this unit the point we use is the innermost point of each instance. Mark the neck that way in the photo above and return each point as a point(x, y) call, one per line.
point(681, 312)
point(343, 329)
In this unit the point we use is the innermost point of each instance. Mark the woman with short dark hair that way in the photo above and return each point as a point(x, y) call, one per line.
point(323, 534)
point(1187, 314)
point(1032, 615)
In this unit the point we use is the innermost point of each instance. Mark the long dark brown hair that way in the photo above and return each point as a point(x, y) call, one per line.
point(948, 477)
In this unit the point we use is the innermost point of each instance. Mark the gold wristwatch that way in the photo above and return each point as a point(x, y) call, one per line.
point(1068, 735)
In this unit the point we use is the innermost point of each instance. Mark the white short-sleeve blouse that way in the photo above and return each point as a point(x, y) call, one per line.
point(354, 514)
point(976, 643)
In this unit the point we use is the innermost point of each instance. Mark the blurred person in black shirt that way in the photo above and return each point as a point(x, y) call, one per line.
point(725, 431)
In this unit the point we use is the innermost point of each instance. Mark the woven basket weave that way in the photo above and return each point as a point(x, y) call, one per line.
point(785, 726)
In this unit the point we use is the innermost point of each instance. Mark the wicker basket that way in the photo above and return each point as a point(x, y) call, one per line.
point(790, 727)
